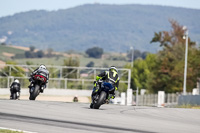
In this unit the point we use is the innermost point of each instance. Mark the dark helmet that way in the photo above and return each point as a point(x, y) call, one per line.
point(113, 68)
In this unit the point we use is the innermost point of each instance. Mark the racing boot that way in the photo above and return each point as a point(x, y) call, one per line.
point(30, 86)
point(111, 96)
point(107, 101)
point(42, 89)
point(18, 95)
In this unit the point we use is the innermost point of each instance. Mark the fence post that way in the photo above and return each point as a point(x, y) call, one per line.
point(8, 82)
point(95, 72)
point(123, 98)
point(137, 91)
point(77, 73)
point(82, 83)
point(61, 72)
point(9, 70)
point(129, 78)
point(129, 96)
point(161, 98)
point(65, 83)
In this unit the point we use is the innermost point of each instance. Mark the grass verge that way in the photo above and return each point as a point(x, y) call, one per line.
point(189, 106)
point(9, 131)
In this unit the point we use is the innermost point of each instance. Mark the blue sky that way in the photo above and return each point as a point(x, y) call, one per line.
point(10, 7)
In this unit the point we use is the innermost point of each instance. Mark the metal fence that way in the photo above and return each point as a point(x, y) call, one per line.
point(152, 99)
point(62, 77)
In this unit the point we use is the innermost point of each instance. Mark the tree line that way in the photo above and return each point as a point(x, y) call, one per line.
point(165, 70)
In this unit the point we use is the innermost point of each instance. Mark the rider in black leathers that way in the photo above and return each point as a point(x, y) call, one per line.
point(15, 83)
point(43, 69)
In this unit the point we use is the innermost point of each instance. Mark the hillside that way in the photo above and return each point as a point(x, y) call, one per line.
point(6, 52)
point(112, 27)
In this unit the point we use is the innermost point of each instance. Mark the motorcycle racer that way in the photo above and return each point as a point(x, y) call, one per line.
point(42, 69)
point(110, 76)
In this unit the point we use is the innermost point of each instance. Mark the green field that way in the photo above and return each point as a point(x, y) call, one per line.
point(10, 50)
point(83, 61)
point(37, 61)
point(102, 62)
point(57, 60)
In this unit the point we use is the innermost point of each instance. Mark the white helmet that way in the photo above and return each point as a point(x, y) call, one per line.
point(113, 67)
point(42, 67)
point(16, 81)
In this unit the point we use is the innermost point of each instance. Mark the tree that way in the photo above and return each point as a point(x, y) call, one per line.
point(32, 48)
point(14, 71)
point(29, 63)
point(3, 43)
point(137, 54)
point(141, 71)
point(174, 37)
point(168, 73)
point(165, 70)
point(71, 72)
point(49, 52)
point(144, 55)
point(90, 64)
point(94, 52)
point(29, 54)
point(40, 54)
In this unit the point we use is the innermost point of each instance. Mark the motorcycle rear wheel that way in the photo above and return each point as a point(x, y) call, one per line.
point(14, 96)
point(35, 92)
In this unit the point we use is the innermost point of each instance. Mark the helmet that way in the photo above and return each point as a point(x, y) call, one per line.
point(16, 81)
point(114, 68)
point(42, 67)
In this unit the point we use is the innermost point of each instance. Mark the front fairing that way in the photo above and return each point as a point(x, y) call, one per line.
point(107, 87)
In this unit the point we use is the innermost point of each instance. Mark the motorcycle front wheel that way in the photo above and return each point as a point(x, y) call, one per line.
point(100, 101)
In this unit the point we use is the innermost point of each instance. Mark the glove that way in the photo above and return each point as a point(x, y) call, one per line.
point(97, 78)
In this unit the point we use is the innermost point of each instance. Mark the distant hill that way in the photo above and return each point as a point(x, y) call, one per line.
point(112, 27)
point(6, 52)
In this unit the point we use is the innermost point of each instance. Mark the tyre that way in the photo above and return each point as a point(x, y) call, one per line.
point(100, 101)
point(35, 92)
point(14, 96)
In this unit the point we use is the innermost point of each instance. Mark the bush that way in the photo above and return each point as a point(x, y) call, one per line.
point(94, 52)
point(90, 64)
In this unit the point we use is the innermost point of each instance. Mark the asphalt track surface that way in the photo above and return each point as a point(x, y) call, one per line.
point(62, 117)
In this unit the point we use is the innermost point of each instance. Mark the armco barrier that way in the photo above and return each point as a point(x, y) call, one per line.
point(189, 99)
point(53, 92)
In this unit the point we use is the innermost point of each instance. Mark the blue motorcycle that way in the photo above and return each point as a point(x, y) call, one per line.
point(102, 94)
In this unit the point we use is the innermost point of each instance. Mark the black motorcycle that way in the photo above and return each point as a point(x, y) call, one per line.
point(35, 89)
point(102, 94)
point(15, 89)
